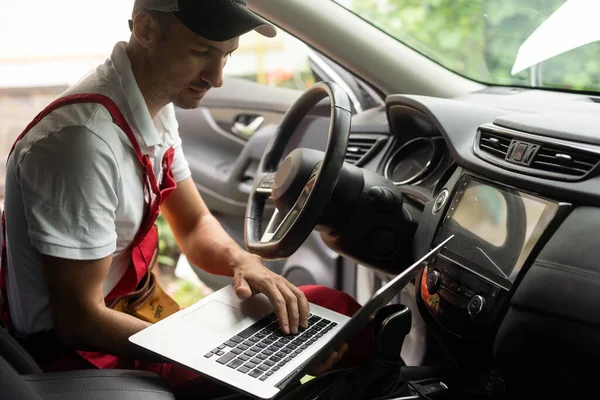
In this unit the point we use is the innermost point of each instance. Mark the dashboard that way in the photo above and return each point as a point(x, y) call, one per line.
point(513, 175)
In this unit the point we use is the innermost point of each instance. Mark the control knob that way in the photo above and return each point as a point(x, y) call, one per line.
point(440, 200)
point(433, 281)
point(476, 305)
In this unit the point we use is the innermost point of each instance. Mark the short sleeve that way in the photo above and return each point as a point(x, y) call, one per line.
point(180, 167)
point(68, 183)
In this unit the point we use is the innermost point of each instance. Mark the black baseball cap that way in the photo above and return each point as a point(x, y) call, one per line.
point(217, 20)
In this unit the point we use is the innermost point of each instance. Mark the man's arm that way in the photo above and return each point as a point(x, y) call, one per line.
point(187, 215)
point(81, 319)
point(208, 246)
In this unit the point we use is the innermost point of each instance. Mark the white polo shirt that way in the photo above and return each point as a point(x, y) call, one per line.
point(74, 187)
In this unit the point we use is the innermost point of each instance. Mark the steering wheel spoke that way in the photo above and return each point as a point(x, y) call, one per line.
point(265, 183)
point(279, 225)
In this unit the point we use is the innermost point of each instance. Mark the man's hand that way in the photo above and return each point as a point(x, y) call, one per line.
point(251, 276)
point(291, 306)
point(330, 361)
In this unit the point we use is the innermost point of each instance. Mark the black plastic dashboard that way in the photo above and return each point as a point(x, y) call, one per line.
point(540, 113)
point(538, 147)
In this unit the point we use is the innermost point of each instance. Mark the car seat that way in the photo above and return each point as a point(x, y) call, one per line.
point(21, 378)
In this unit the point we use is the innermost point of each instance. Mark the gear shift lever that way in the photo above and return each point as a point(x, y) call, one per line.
point(391, 325)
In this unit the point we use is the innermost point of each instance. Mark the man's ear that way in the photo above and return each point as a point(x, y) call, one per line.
point(145, 29)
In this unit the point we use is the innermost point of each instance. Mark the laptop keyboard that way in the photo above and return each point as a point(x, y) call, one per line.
point(262, 349)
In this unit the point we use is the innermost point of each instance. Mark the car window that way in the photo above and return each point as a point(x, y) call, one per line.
point(287, 62)
point(282, 61)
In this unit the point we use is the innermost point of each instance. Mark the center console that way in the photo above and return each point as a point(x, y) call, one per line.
point(496, 229)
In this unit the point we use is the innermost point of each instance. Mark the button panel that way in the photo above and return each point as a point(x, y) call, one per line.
point(461, 301)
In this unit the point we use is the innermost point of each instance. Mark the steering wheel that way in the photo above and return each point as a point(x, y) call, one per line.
point(304, 182)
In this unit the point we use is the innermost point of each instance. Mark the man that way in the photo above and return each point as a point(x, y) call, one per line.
point(86, 177)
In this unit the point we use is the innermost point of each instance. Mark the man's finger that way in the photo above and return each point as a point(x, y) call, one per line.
point(303, 306)
point(326, 365)
point(292, 307)
point(331, 360)
point(278, 301)
point(342, 351)
point(242, 288)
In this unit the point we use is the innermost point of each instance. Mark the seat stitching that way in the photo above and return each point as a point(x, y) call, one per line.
point(561, 267)
point(42, 378)
point(107, 390)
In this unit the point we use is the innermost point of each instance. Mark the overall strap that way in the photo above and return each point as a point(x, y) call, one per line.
point(117, 117)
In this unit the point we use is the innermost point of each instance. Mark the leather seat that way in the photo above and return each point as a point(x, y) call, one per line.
point(16, 355)
point(21, 378)
point(100, 385)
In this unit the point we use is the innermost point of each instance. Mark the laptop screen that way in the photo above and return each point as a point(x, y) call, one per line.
point(379, 299)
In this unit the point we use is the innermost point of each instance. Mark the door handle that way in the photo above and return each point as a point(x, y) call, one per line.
point(246, 125)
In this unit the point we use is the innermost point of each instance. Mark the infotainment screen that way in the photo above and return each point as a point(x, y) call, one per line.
point(495, 228)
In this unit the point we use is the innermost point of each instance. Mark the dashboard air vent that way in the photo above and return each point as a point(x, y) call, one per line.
point(361, 147)
point(537, 155)
point(564, 160)
point(494, 143)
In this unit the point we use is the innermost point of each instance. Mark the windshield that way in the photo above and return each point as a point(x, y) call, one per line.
point(481, 39)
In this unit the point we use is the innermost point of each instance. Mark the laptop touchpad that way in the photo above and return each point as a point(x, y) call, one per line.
point(215, 316)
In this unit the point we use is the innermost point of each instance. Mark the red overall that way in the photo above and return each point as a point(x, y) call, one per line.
point(143, 248)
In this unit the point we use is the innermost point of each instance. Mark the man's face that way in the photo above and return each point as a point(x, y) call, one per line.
point(184, 66)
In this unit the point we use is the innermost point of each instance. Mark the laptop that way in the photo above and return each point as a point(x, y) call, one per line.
point(239, 343)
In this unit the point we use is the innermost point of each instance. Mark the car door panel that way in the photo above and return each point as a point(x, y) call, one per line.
point(218, 157)
point(241, 93)
point(222, 169)
point(227, 117)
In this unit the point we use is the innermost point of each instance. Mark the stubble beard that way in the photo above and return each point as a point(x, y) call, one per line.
point(186, 104)
point(178, 99)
